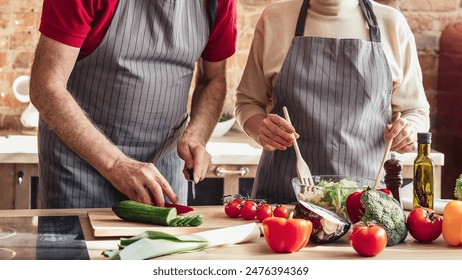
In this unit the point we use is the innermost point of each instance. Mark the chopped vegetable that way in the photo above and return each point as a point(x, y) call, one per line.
point(331, 195)
point(386, 212)
point(133, 211)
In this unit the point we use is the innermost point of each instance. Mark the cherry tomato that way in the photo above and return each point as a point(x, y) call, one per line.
point(249, 210)
point(424, 224)
point(264, 211)
point(238, 200)
point(233, 208)
point(281, 211)
point(368, 241)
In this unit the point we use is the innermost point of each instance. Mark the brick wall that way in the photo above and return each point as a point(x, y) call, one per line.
point(18, 35)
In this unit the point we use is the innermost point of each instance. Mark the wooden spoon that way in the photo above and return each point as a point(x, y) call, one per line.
point(385, 155)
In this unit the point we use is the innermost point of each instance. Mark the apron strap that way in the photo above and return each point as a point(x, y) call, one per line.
point(300, 30)
point(212, 13)
point(371, 20)
point(366, 8)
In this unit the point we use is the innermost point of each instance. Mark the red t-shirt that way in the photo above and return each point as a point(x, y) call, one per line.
point(83, 24)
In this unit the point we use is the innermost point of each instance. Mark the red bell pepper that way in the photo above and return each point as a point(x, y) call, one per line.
point(286, 235)
point(354, 206)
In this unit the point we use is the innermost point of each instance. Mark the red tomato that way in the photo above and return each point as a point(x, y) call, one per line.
point(368, 241)
point(264, 211)
point(281, 211)
point(249, 210)
point(233, 209)
point(424, 224)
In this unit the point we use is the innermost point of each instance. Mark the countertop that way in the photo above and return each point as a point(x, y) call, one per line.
point(258, 249)
point(234, 148)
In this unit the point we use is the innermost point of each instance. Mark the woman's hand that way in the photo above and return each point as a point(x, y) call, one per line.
point(273, 132)
point(404, 136)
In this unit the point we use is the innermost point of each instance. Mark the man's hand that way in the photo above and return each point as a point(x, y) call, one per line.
point(196, 157)
point(404, 136)
point(141, 182)
point(206, 106)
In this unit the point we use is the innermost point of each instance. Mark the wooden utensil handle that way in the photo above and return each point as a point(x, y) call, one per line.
point(385, 155)
point(286, 116)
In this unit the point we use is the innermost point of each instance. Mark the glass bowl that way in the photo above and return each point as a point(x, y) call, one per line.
point(331, 191)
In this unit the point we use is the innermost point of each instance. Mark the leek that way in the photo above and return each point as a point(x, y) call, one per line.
point(151, 244)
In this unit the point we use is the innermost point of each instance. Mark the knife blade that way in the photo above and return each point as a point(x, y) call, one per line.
point(193, 184)
point(181, 209)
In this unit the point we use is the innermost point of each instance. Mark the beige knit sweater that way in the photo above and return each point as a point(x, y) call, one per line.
point(335, 19)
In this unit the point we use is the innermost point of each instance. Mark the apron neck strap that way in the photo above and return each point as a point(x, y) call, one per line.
point(300, 30)
point(371, 20)
point(366, 8)
point(212, 12)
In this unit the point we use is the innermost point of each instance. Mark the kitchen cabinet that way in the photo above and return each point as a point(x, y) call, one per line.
point(235, 158)
point(223, 179)
point(18, 172)
point(18, 185)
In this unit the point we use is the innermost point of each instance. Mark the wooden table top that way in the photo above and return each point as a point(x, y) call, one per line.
point(257, 249)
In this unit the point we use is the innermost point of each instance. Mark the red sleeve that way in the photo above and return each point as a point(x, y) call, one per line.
point(222, 39)
point(81, 24)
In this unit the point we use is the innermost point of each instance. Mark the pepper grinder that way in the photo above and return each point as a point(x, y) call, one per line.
point(393, 177)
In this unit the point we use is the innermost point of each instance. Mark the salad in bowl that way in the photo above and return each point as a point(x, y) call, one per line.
point(331, 191)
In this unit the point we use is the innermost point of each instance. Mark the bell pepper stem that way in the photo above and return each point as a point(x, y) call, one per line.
point(291, 215)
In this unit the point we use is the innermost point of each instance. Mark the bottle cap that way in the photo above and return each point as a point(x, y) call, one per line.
point(424, 138)
point(393, 156)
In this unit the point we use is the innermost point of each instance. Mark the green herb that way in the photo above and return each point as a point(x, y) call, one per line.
point(225, 117)
point(458, 189)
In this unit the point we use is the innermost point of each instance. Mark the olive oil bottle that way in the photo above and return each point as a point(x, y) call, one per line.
point(423, 173)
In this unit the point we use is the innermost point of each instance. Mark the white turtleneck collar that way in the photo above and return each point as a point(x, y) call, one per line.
point(334, 7)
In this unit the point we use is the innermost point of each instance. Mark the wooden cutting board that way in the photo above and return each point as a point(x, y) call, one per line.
point(104, 223)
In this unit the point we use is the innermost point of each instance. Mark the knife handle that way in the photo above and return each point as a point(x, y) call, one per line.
point(190, 174)
point(193, 184)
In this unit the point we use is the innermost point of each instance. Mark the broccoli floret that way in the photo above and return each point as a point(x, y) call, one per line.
point(458, 189)
point(385, 211)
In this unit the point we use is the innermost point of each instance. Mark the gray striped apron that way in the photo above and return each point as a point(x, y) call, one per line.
point(135, 88)
point(338, 94)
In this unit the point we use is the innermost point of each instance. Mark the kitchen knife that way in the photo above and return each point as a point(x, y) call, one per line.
point(181, 209)
point(191, 179)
